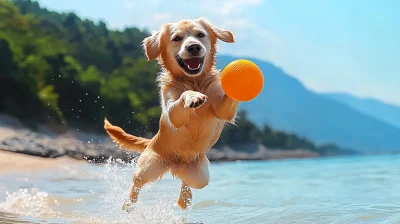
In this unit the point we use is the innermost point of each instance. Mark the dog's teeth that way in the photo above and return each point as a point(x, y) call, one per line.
point(194, 68)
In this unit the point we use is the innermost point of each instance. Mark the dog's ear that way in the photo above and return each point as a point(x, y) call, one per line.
point(151, 45)
point(224, 35)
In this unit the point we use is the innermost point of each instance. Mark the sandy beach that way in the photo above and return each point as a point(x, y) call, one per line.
point(16, 162)
point(10, 162)
point(25, 149)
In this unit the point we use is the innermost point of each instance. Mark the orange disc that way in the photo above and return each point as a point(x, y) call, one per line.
point(242, 80)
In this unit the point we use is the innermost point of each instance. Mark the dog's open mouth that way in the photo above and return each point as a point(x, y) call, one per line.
point(191, 65)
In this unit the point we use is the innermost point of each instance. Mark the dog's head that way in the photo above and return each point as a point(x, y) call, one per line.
point(187, 47)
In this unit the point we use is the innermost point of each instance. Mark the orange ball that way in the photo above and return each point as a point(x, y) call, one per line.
point(242, 80)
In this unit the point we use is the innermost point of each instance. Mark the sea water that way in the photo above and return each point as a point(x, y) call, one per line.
point(357, 189)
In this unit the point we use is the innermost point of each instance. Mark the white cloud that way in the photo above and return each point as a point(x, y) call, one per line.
point(161, 18)
point(226, 14)
point(251, 39)
point(128, 4)
point(230, 6)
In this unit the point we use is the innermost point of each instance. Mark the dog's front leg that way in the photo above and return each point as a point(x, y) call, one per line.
point(179, 110)
point(226, 108)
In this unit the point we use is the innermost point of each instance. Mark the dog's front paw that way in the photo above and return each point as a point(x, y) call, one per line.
point(192, 99)
point(127, 206)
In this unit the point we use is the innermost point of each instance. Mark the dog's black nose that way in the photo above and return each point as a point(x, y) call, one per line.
point(194, 49)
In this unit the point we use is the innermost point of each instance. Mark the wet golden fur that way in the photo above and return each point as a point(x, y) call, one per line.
point(194, 110)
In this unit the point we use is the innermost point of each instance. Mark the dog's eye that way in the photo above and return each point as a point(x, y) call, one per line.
point(200, 35)
point(177, 38)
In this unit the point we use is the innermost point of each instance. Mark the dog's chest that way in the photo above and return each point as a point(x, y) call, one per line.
point(201, 88)
point(194, 86)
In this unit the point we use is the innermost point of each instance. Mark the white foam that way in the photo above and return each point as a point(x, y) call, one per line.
point(103, 204)
point(29, 202)
point(155, 204)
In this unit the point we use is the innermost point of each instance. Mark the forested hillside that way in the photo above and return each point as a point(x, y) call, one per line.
point(58, 68)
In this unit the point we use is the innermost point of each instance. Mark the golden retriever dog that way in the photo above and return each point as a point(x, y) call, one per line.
point(194, 108)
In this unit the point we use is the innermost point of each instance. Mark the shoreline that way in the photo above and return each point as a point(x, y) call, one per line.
point(12, 162)
point(18, 141)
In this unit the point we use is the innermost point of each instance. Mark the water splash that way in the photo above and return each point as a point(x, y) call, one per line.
point(100, 204)
point(30, 202)
point(155, 204)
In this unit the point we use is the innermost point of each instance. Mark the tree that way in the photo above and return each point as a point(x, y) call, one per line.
point(56, 65)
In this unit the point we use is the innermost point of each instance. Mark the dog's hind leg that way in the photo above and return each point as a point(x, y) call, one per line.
point(149, 168)
point(185, 197)
point(194, 175)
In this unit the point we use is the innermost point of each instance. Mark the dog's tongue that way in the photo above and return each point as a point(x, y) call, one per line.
point(192, 63)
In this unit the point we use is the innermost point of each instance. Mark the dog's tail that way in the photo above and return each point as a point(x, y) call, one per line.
point(125, 140)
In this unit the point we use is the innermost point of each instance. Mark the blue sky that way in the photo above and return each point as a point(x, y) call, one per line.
point(348, 46)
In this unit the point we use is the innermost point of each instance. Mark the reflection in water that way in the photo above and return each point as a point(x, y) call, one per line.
point(334, 190)
point(11, 218)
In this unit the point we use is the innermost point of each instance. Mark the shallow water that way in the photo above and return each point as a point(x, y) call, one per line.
point(329, 190)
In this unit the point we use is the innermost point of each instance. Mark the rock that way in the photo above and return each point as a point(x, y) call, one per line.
point(256, 152)
point(99, 148)
point(42, 145)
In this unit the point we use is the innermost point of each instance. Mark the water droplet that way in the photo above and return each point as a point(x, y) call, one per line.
point(87, 94)
point(98, 97)
point(102, 106)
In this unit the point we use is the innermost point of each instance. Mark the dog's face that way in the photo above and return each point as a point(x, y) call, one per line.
point(187, 47)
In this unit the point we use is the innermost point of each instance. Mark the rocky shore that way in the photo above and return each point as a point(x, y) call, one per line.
point(15, 137)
